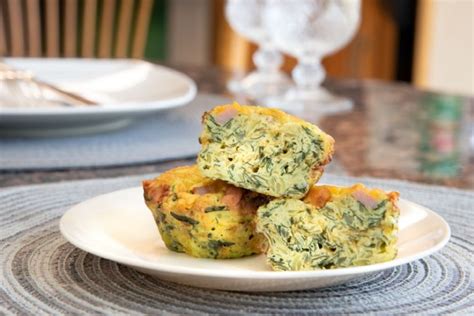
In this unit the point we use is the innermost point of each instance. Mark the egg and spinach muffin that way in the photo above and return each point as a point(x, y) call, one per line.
point(263, 150)
point(331, 227)
point(202, 217)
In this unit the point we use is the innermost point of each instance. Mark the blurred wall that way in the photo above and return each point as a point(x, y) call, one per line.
point(189, 32)
point(444, 55)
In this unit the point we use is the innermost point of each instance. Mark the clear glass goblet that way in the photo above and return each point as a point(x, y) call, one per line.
point(245, 17)
point(310, 30)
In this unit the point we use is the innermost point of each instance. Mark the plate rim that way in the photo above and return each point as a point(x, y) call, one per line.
point(254, 275)
point(117, 108)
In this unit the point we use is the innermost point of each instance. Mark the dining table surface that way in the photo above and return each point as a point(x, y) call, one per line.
point(395, 137)
point(394, 130)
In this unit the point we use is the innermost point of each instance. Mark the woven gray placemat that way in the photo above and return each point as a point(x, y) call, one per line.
point(170, 134)
point(42, 273)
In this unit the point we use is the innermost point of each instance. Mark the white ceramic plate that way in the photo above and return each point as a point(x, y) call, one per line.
point(119, 227)
point(125, 89)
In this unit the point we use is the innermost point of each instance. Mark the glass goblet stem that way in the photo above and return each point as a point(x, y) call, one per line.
point(308, 74)
point(267, 59)
point(267, 79)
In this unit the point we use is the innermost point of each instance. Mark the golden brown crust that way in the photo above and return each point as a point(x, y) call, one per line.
point(203, 217)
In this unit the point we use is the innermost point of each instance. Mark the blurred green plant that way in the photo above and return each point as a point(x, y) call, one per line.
point(440, 148)
point(156, 41)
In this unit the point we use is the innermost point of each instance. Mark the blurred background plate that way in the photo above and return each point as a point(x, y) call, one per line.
point(124, 90)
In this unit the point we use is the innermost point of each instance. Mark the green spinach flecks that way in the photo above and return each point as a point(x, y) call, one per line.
point(218, 208)
point(184, 219)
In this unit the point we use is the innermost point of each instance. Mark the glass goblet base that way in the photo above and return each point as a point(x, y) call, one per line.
point(317, 101)
point(258, 84)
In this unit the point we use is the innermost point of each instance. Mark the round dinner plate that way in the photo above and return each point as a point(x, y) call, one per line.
point(119, 227)
point(124, 89)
